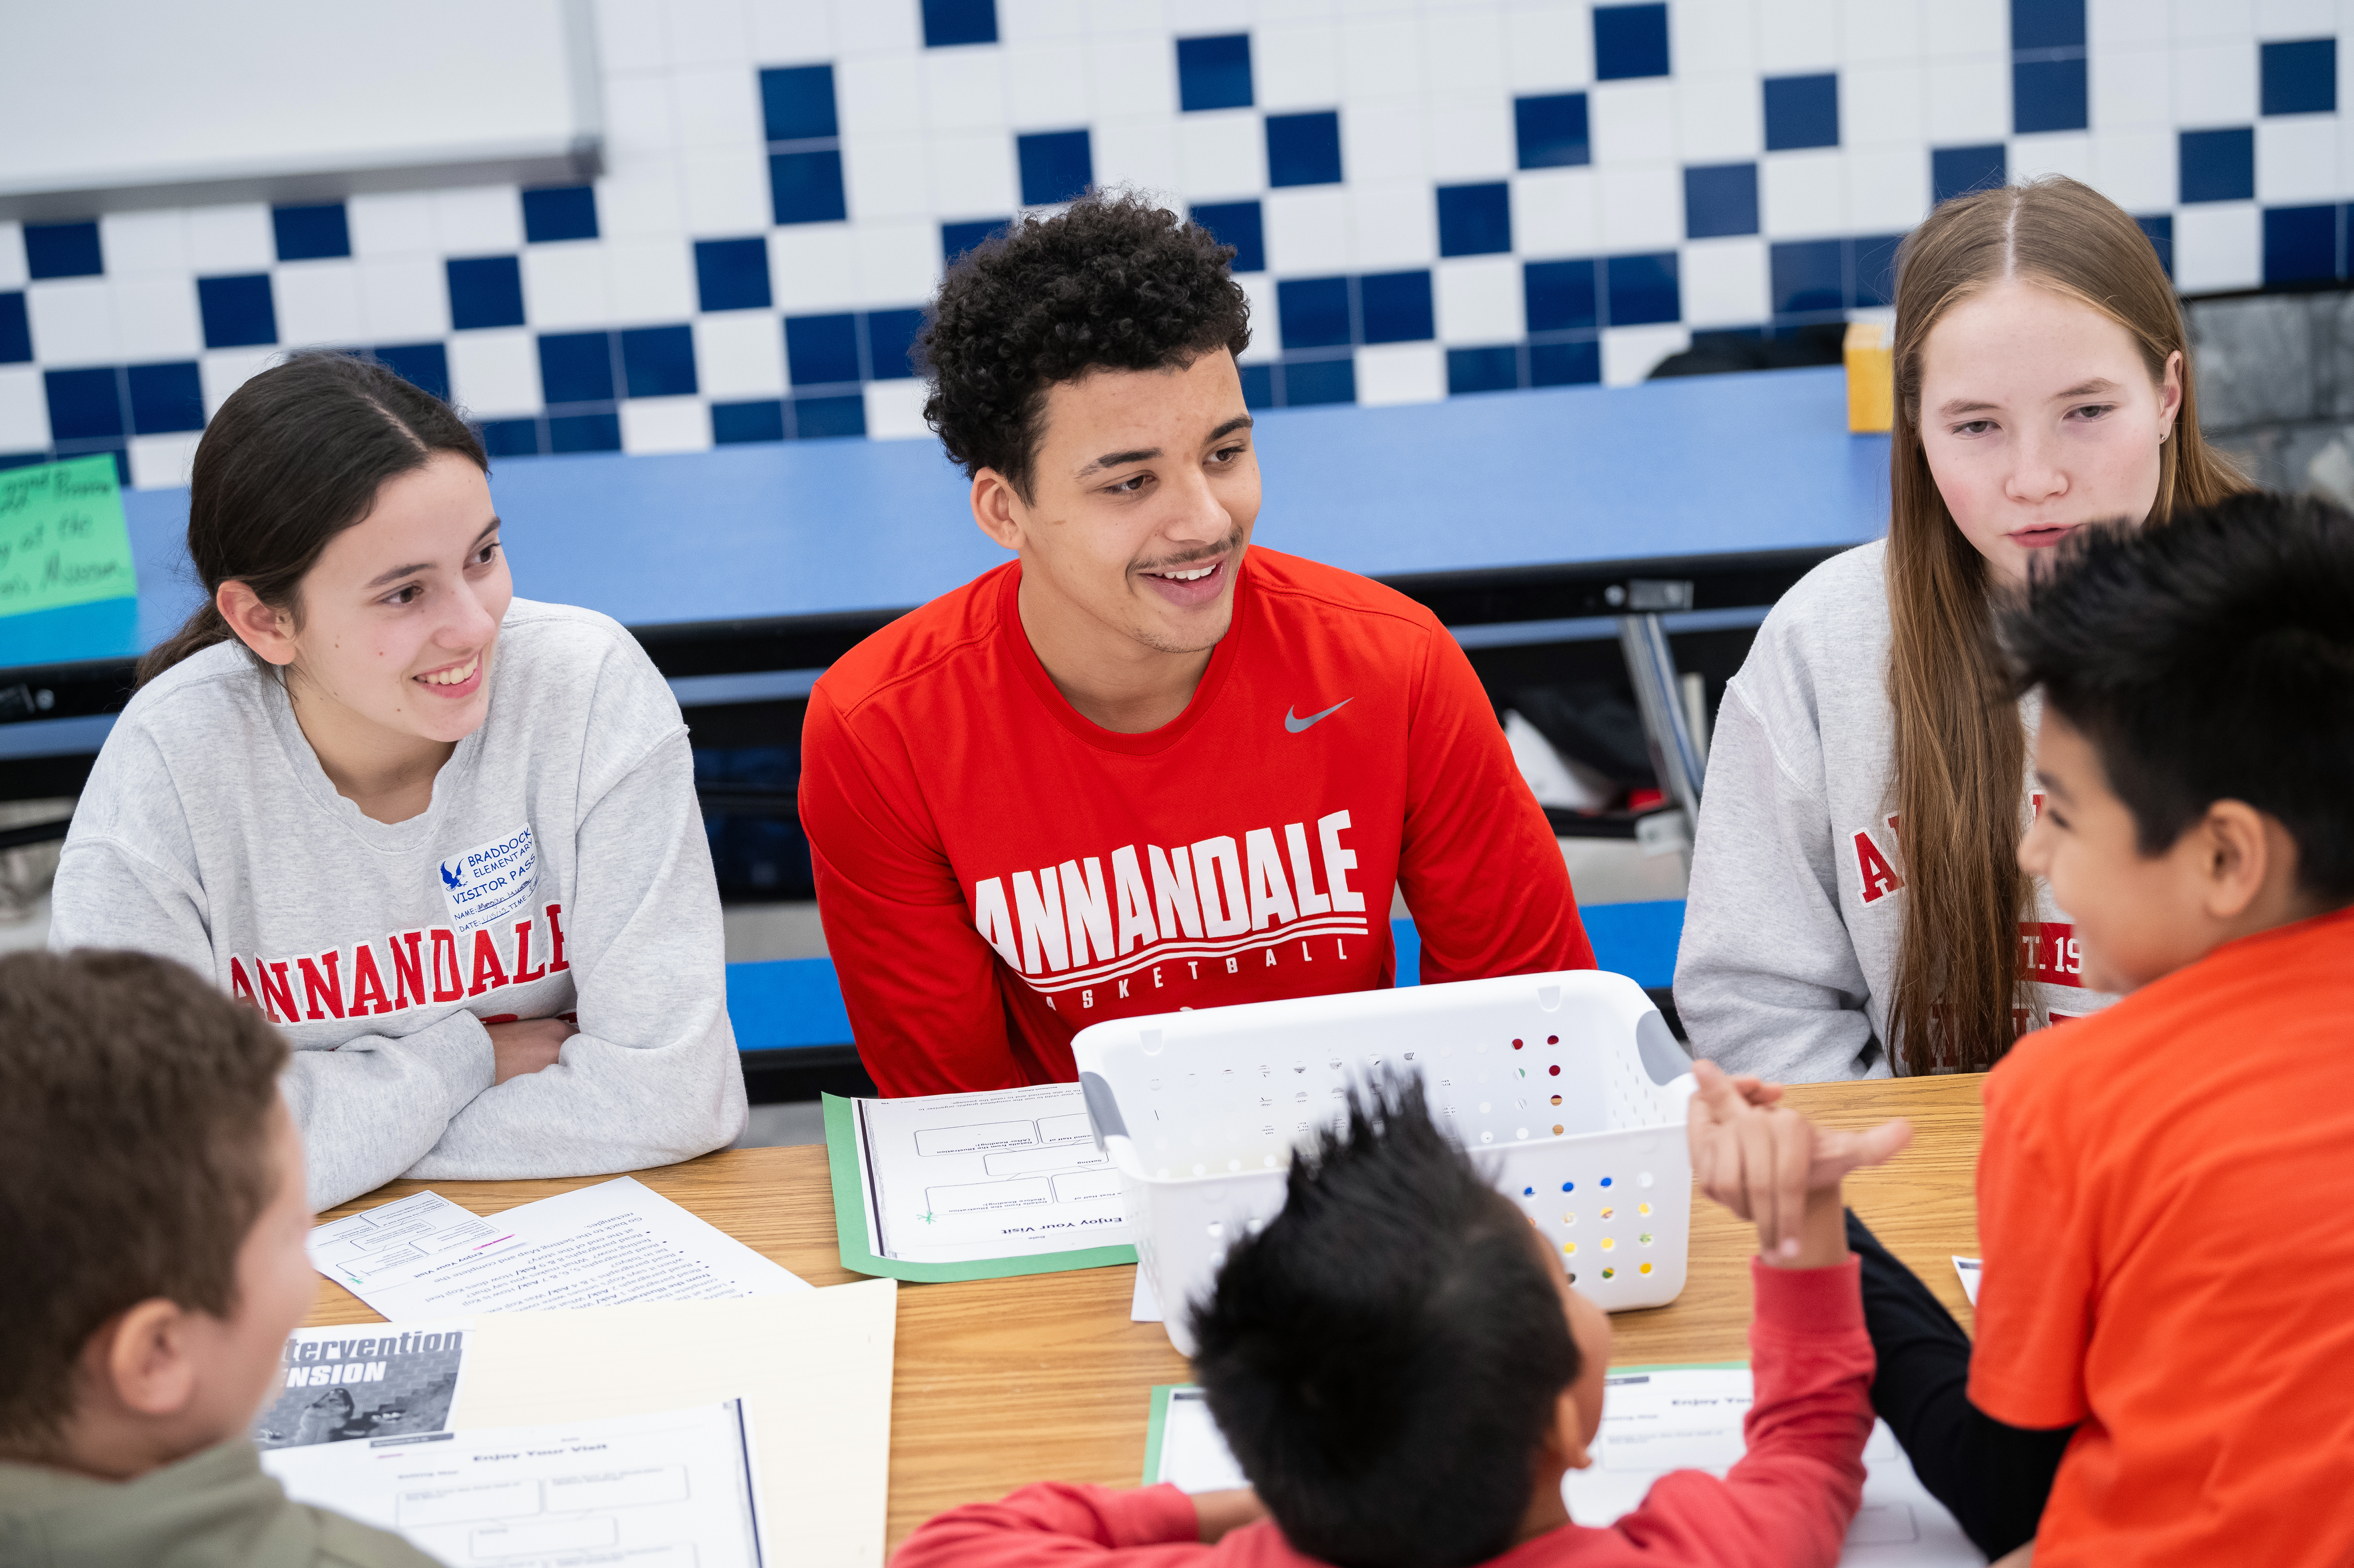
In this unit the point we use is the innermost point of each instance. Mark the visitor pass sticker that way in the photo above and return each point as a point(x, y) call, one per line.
point(492, 881)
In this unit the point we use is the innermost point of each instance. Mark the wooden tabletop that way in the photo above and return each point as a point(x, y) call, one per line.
point(1004, 1382)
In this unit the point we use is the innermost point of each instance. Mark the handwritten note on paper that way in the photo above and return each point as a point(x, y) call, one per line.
point(62, 540)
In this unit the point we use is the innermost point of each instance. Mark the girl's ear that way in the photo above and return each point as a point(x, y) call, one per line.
point(269, 633)
point(2169, 395)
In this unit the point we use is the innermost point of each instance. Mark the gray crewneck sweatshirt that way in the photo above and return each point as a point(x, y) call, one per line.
point(1797, 904)
point(560, 869)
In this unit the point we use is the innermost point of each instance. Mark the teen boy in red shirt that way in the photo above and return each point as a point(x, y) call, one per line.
point(1146, 765)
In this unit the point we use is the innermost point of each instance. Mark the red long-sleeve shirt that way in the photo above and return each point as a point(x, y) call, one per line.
point(996, 872)
point(1787, 1504)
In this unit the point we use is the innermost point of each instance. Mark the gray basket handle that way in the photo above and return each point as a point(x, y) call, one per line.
point(1103, 1109)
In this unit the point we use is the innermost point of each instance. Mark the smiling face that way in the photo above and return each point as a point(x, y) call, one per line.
point(2038, 416)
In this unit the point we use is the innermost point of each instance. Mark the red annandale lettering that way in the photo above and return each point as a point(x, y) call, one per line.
point(523, 973)
point(368, 983)
point(408, 970)
point(276, 992)
point(315, 985)
point(270, 985)
point(1878, 876)
point(443, 942)
point(240, 987)
point(556, 964)
point(489, 973)
point(2049, 952)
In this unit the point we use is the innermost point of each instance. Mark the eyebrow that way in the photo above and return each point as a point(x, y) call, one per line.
point(383, 577)
point(1143, 454)
point(1970, 405)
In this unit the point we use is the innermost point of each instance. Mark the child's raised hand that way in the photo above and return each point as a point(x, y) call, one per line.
point(1772, 1166)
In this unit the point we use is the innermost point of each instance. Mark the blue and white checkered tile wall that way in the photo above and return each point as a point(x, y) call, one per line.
point(1428, 200)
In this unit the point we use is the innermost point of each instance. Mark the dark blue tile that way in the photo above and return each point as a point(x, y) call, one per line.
point(822, 349)
point(1496, 369)
point(956, 238)
point(797, 102)
point(947, 23)
point(511, 438)
point(2159, 227)
point(1630, 41)
point(559, 212)
point(166, 397)
point(732, 274)
point(1807, 276)
point(1214, 73)
point(1396, 307)
point(734, 423)
point(2049, 95)
point(658, 362)
point(1720, 199)
point(891, 344)
point(237, 312)
point(576, 367)
point(1560, 296)
point(1564, 364)
point(1258, 385)
point(1310, 382)
point(1871, 270)
point(2219, 165)
point(62, 250)
point(1474, 220)
point(1801, 112)
point(1551, 131)
point(817, 419)
point(1238, 224)
point(1955, 170)
point(1303, 149)
point(2047, 24)
point(311, 233)
point(421, 365)
point(84, 404)
point(806, 188)
point(2301, 77)
point(2302, 245)
point(1057, 166)
point(1641, 290)
point(584, 433)
point(1314, 311)
point(15, 330)
point(485, 291)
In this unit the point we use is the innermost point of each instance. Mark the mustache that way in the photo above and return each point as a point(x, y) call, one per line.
point(1232, 543)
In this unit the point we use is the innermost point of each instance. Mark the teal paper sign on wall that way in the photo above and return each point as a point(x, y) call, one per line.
point(62, 540)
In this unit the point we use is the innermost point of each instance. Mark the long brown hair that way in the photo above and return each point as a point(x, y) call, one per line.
point(1959, 749)
point(293, 458)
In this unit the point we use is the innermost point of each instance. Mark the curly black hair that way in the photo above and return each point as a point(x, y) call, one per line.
point(1113, 281)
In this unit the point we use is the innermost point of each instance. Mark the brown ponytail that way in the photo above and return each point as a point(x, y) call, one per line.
point(293, 458)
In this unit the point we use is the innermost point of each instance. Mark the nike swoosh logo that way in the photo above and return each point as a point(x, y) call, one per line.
point(1296, 725)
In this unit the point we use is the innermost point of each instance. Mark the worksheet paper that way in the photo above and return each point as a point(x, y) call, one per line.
point(363, 1380)
point(672, 1489)
point(1969, 1268)
point(617, 1241)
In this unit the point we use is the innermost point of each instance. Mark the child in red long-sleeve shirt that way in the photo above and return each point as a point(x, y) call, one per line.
point(1403, 1371)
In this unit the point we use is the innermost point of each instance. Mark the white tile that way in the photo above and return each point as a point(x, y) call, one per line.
point(1712, 36)
point(1718, 119)
point(1463, 51)
point(1393, 224)
point(1030, 21)
point(727, 193)
point(895, 410)
point(1307, 231)
point(665, 425)
point(2295, 19)
point(1723, 282)
point(24, 409)
point(964, 89)
point(1221, 153)
point(233, 237)
point(395, 224)
point(973, 173)
point(640, 120)
point(1381, 58)
point(12, 254)
point(740, 353)
point(567, 286)
point(1046, 85)
point(717, 107)
point(813, 266)
point(652, 281)
point(403, 300)
point(882, 92)
point(1631, 120)
point(1968, 102)
point(862, 26)
point(898, 263)
point(1880, 103)
point(2068, 153)
point(792, 32)
point(1887, 188)
point(478, 220)
point(1267, 338)
point(629, 36)
point(2110, 23)
point(1802, 195)
point(1384, 141)
point(1641, 208)
point(1478, 300)
point(2296, 159)
point(72, 322)
point(1106, 18)
point(1142, 153)
point(1391, 373)
point(161, 463)
point(2136, 169)
point(887, 176)
point(2216, 19)
point(156, 317)
point(1960, 28)
point(494, 375)
point(1798, 37)
point(2214, 84)
point(1295, 67)
point(319, 302)
point(2218, 245)
point(1628, 354)
point(639, 199)
point(1883, 30)
point(222, 371)
point(137, 242)
point(2131, 87)
point(1131, 78)
point(1554, 213)
point(1471, 138)
point(1549, 48)
point(708, 32)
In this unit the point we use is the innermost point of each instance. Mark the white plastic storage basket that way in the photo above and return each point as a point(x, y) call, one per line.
point(1568, 1088)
